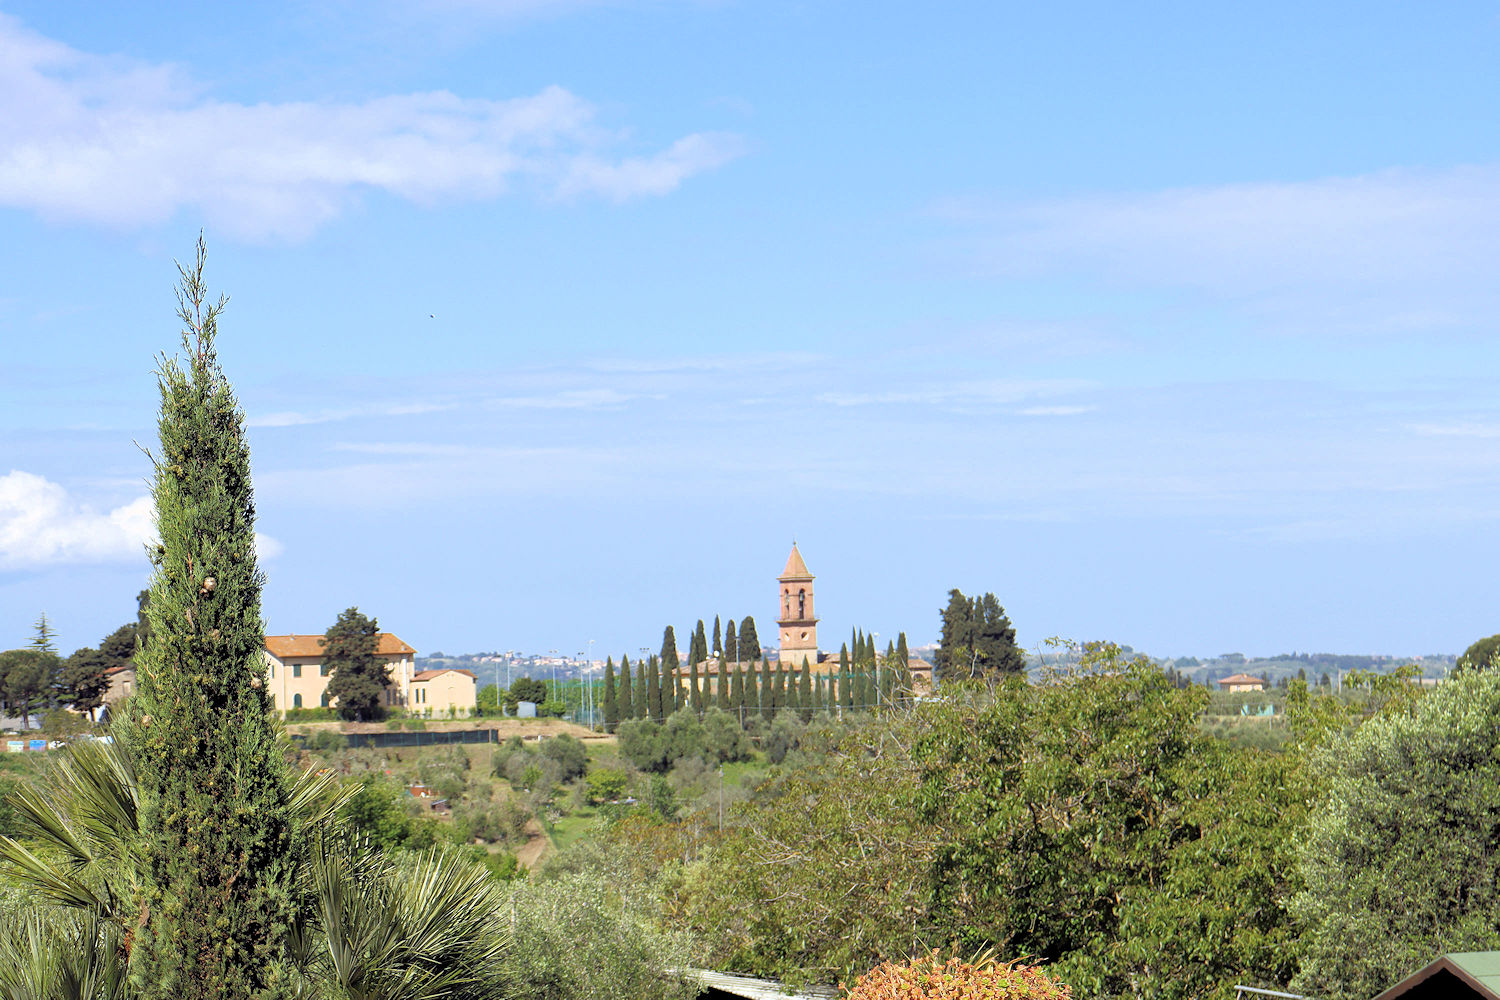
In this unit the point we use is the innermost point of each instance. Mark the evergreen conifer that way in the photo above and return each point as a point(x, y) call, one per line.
point(752, 692)
point(653, 692)
point(718, 639)
point(749, 641)
point(626, 697)
point(731, 645)
point(724, 698)
point(611, 701)
point(805, 691)
point(695, 695)
point(218, 859)
point(737, 694)
point(767, 691)
point(846, 686)
point(669, 651)
point(700, 643)
point(357, 678)
point(642, 691)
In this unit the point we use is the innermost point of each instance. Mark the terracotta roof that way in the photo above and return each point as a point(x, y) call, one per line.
point(796, 569)
point(283, 646)
point(115, 670)
point(1242, 679)
point(427, 675)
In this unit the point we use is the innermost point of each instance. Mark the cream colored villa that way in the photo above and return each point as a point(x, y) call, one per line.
point(297, 677)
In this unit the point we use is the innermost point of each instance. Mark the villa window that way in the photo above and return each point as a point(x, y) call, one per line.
point(324, 701)
point(296, 701)
point(296, 670)
point(322, 670)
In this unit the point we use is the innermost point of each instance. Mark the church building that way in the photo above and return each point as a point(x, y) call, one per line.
point(797, 622)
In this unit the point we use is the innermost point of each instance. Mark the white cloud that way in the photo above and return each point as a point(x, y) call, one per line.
point(1415, 244)
point(41, 525)
point(129, 145)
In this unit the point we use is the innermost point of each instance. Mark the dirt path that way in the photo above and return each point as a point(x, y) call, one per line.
point(537, 845)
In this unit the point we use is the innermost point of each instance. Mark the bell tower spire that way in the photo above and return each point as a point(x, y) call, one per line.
point(795, 616)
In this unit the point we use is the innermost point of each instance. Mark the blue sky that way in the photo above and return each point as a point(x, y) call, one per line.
point(558, 321)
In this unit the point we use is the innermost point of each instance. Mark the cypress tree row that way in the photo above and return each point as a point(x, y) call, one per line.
point(626, 698)
point(611, 703)
point(213, 784)
point(653, 692)
point(780, 701)
point(737, 694)
point(731, 647)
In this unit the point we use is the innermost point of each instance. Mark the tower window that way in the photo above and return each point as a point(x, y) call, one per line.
point(801, 603)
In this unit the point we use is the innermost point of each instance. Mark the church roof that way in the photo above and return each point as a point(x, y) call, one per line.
point(796, 569)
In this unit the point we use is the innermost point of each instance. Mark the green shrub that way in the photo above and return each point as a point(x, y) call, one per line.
point(310, 714)
point(583, 937)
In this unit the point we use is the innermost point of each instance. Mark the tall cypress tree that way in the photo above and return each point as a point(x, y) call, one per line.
point(723, 696)
point(731, 646)
point(642, 691)
point(700, 643)
point(752, 692)
point(888, 677)
point(669, 651)
point(805, 691)
point(213, 784)
point(793, 696)
point(903, 667)
point(695, 695)
point(767, 691)
point(626, 697)
point(846, 685)
point(611, 701)
point(653, 692)
point(749, 641)
point(820, 702)
point(737, 695)
point(718, 639)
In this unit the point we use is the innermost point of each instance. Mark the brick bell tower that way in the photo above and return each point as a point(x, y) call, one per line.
point(799, 625)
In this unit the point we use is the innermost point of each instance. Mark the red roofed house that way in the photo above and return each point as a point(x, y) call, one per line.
point(434, 692)
point(297, 677)
point(1242, 682)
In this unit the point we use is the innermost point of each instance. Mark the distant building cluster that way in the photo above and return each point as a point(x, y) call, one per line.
point(297, 677)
